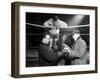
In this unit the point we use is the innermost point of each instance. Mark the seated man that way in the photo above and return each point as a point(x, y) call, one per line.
point(55, 24)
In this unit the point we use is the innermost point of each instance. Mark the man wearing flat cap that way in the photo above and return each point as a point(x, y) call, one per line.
point(78, 51)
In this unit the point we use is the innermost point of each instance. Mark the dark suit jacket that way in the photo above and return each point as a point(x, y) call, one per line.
point(78, 52)
point(46, 56)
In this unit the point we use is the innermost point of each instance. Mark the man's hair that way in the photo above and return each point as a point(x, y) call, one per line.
point(45, 34)
point(75, 32)
point(55, 18)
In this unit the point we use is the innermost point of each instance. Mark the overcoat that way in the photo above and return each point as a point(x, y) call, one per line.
point(78, 52)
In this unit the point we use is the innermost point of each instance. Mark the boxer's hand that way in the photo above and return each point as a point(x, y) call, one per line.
point(59, 53)
point(66, 48)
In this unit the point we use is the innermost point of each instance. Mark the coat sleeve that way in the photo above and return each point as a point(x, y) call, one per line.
point(79, 51)
point(46, 53)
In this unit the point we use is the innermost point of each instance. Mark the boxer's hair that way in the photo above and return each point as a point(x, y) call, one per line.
point(55, 18)
point(75, 32)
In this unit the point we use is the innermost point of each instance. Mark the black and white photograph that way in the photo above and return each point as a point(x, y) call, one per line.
point(57, 39)
point(51, 39)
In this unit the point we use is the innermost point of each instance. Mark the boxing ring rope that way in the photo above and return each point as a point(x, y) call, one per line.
point(78, 26)
point(59, 27)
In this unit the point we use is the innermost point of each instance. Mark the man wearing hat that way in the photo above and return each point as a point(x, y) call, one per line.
point(78, 51)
